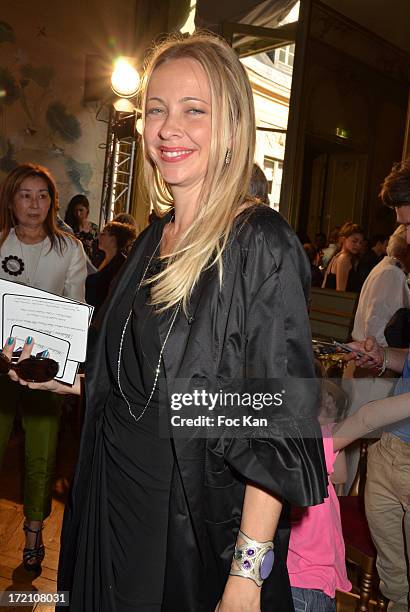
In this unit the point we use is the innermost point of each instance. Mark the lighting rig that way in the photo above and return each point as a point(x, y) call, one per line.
point(122, 140)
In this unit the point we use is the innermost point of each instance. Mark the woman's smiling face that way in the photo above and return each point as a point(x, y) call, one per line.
point(177, 132)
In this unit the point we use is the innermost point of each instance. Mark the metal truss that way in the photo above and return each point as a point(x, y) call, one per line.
point(119, 165)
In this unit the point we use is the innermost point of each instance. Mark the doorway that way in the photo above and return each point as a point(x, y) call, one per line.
point(333, 186)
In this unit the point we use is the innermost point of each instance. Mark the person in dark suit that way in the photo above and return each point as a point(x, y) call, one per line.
point(113, 241)
point(370, 259)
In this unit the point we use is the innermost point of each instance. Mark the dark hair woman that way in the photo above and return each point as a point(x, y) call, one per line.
point(35, 252)
point(86, 231)
point(113, 241)
point(259, 186)
point(213, 296)
point(126, 218)
point(312, 253)
point(340, 273)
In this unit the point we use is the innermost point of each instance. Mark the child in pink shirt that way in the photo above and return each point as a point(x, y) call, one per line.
point(316, 557)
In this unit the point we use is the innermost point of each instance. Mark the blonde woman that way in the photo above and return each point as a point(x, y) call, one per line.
point(214, 290)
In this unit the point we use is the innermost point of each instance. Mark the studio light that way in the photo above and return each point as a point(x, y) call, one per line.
point(125, 79)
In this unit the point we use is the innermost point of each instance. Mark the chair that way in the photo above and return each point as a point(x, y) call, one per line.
point(331, 313)
point(360, 550)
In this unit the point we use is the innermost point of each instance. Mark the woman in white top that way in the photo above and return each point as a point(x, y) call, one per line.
point(35, 252)
point(384, 291)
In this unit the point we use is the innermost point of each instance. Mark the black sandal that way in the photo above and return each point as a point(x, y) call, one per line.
point(33, 557)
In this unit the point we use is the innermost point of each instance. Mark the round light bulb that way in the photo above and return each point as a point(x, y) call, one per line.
point(125, 79)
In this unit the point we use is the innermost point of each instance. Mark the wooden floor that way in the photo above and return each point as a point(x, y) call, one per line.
point(13, 577)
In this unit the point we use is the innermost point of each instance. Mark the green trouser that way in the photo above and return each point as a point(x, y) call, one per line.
point(40, 411)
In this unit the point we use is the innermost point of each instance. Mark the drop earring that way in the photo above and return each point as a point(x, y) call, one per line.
point(228, 156)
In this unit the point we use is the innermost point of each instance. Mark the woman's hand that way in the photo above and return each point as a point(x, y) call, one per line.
point(50, 385)
point(240, 595)
point(367, 354)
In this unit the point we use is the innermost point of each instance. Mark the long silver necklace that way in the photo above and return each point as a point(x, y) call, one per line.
point(30, 281)
point(158, 368)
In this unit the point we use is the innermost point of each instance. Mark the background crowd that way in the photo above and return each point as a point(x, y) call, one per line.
point(75, 259)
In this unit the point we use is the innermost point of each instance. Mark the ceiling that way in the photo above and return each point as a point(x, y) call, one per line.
point(388, 19)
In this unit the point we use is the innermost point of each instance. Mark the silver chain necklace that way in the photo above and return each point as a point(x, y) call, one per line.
point(158, 368)
point(30, 281)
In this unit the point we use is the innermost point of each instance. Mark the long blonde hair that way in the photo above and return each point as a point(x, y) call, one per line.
point(225, 186)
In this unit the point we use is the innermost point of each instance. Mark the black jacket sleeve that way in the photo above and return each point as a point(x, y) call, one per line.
point(288, 460)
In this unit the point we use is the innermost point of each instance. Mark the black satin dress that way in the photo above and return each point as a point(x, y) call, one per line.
point(256, 322)
point(139, 463)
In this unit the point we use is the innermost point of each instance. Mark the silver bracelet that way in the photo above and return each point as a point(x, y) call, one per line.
point(253, 559)
point(383, 367)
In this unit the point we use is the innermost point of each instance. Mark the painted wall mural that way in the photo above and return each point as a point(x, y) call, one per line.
point(42, 115)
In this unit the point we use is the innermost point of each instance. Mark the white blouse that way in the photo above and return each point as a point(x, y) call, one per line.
point(384, 291)
point(38, 266)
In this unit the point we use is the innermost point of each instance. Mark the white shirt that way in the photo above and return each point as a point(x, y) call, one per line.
point(327, 254)
point(61, 273)
point(384, 291)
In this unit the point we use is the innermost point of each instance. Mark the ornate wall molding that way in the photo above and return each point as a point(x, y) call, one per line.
point(336, 30)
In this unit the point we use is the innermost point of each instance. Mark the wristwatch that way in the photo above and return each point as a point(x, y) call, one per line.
point(253, 559)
